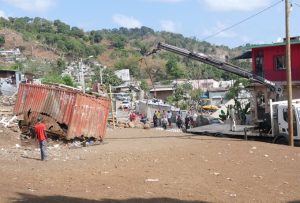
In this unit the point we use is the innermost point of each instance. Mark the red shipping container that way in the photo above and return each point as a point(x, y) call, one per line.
point(67, 112)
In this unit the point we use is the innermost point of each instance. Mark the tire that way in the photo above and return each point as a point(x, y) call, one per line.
point(281, 140)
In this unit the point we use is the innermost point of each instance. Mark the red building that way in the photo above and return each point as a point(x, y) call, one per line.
point(268, 61)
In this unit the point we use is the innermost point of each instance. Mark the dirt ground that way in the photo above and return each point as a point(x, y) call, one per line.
point(135, 165)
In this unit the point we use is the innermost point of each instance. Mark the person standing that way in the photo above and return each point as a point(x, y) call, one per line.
point(187, 120)
point(155, 119)
point(232, 118)
point(41, 136)
point(158, 115)
point(169, 116)
point(179, 121)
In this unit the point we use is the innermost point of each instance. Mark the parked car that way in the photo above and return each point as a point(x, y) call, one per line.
point(122, 97)
point(125, 104)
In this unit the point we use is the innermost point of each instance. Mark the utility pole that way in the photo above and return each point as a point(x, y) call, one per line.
point(288, 72)
point(101, 79)
point(82, 76)
point(112, 107)
point(81, 73)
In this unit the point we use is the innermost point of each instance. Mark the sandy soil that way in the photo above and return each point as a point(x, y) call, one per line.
point(134, 165)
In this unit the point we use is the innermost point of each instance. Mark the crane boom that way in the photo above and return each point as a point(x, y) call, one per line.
point(219, 64)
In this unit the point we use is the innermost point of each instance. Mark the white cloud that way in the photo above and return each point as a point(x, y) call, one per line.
point(236, 5)
point(2, 14)
point(219, 26)
point(170, 26)
point(32, 5)
point(127, 21)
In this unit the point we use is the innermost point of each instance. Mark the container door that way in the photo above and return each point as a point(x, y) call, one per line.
point(297, 120)
point(283, 119)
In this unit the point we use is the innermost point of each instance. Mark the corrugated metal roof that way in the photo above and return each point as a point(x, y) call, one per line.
point(270, 45)
point(83, 114)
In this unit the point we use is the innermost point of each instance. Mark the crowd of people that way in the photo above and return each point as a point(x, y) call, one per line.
point(164, 119)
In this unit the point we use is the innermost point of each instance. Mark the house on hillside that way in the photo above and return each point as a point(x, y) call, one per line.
point(10, 55)
point(203, 84)
point(162, 91)
point(9, 81)
point(268, 61)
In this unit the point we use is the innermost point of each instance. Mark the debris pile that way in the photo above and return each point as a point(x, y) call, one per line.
point(7, 118)
point(132, 124)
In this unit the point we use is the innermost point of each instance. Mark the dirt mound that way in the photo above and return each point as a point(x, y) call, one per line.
point(32, 49)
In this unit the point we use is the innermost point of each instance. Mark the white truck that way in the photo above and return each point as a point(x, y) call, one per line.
point(279, 121)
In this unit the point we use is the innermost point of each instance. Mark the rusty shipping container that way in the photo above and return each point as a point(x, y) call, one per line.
point(68, 113)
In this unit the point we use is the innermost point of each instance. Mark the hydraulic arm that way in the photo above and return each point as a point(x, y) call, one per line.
point(219, 64)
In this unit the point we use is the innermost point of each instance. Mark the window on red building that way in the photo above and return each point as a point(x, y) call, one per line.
point(279, 62)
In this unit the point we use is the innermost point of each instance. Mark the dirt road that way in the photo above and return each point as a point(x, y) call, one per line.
point(134, 165)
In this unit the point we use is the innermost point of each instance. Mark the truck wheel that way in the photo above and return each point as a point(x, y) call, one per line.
point(281, 140)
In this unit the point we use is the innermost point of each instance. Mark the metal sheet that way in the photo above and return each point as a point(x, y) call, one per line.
point(84, 115)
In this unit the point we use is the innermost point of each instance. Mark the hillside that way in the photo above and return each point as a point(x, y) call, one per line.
point(32, 48)
point(53, 41)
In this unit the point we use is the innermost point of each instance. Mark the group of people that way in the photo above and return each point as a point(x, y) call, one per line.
point(162, 119)
point(134, 116)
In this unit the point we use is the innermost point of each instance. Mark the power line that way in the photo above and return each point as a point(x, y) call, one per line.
point(240, 22)
point(296, 4)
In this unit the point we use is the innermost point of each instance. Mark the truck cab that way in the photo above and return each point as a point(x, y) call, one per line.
point(279, 121)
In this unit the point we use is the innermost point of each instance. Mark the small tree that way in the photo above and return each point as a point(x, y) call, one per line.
point(109, 77)
point(68, 80)
point(144, 85)
point(236, 88)
point(2, 40)
point(242, 110)
point(173, 69)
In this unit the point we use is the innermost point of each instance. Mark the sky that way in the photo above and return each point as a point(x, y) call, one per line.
point(201, 19)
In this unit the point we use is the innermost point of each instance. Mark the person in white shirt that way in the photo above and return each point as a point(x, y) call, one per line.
point(169, 116)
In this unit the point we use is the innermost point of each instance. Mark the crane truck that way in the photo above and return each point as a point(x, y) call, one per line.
point(278, 109)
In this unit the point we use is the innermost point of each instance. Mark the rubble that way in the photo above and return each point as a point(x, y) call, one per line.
point(131, 124)
point(7, 118)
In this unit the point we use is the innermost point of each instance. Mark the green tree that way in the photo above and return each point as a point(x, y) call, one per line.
point(59, 66)
point(144, 85)
point(238, 85)
point(95, 36)
point(173, 69)
point(2, 40)
point(117, 41)
point(130, 63)
point(53, 78)
point(61, 27)
point(181, 91)
point(195, 94)
point(58, 79)
point(76, 32)
point(110, 78)
point(68, 80)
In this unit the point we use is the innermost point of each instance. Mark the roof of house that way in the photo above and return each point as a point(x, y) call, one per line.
point(270, 45)
point(245, 55)
point(160, 88)
point(248, 54)
point(218, 90)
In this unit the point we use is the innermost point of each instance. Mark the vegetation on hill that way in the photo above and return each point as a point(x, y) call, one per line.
point(118, 49)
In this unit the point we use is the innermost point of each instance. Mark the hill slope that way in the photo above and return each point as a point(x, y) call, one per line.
point(121, 48)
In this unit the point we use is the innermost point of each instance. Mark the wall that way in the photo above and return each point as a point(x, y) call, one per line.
point(270, 72)
point(162, 94)
point(270, 95)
